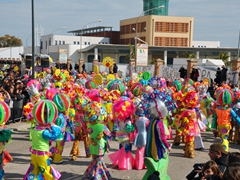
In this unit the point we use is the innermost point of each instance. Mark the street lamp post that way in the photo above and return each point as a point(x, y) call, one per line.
point(136, 33)
point(51, 40)
point(99, 20)
point(33, 39)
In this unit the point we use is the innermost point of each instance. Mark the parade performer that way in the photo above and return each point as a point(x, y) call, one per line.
point(5, 137)
point(202, 120)
point(224, 97)
point(99, 136)
point(235, 113)
point(187, 122)
point(123, 109)
point(206, 102)
point(80, 125)
point(235, 138)
point(157, 148)
point(62, 102)
point(140, 141)
point(45, 114)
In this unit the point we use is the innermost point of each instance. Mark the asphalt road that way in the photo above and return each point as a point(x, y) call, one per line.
point(179, 166)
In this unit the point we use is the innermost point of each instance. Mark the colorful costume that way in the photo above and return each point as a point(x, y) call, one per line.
point(99, 136)
point(62, 102)
point(188, 124)
point(123, 158)
point(5, 135)
point(140, 141)
point(45, 114)
point(156, 156)
point(235, 113)
point(224, 97)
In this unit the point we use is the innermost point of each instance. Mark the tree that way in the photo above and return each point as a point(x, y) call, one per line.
point(190, 55)
point(224, 57)
point(10, 41)
point(131, 54)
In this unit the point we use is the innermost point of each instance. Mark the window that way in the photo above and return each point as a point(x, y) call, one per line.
point(41, 45)
point(85, 43)
point(49, 42)
point(56, 42)
point(46, 44)
point(74, 42)
point(63, 42)
point(78, 42)
point(122, 60)
point(60, 42)
point(88, 43)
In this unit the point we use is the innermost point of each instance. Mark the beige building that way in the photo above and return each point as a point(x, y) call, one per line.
point(158, 30)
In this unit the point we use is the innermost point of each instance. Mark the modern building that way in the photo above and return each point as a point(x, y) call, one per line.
point(167, 31)
point(150, 7)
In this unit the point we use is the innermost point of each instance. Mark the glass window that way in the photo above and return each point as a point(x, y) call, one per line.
point(74, 42)
point(122, 60)
point(60, 42)
point(85, 43)
point(88, 43)
point(46, 44)
point(78, 42)
point(63, 42)
point(56, 42)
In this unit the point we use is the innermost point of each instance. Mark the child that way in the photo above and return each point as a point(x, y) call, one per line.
point(45, 114)
point(99, 135)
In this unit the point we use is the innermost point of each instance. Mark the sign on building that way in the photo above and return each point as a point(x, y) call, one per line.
point(142, 55)
point(62, 55)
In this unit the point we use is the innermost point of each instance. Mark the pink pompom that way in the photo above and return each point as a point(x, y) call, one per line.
point(123, 108)
point(94, 95)
point(50, 93)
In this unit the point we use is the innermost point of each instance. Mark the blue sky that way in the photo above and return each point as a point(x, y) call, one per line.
point(214, 20)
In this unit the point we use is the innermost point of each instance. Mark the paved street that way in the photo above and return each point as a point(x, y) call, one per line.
point(179, 166)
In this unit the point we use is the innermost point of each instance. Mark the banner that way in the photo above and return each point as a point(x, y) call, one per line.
point(142, 55)
point(63, 55)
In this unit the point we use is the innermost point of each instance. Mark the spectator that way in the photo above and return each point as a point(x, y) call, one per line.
point(183, 72)
point(115, 68)
point(232, 172)
point(218, 78)
point(194, 74)
point(219, 155)
point(76, 66)
point(83, 68)
point(224, 74)
point(233, 157)
point(211, 168)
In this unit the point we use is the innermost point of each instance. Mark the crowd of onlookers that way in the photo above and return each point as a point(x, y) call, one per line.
point(13, 92)
point(222, 166)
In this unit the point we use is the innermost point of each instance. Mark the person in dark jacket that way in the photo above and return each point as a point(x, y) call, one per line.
point(218, 79)
point(183, 72)
point(224, 74)
point(219, 155)
point(115, 68)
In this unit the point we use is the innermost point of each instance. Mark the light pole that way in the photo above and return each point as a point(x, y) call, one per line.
point(33, 40)
point(136, 33)
point(99, 20)
point(62, 28)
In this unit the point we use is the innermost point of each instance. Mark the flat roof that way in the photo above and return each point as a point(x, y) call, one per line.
point(97, 28)
point(120, 48)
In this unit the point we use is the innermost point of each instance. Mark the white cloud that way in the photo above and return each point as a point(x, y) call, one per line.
point(213, 19)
